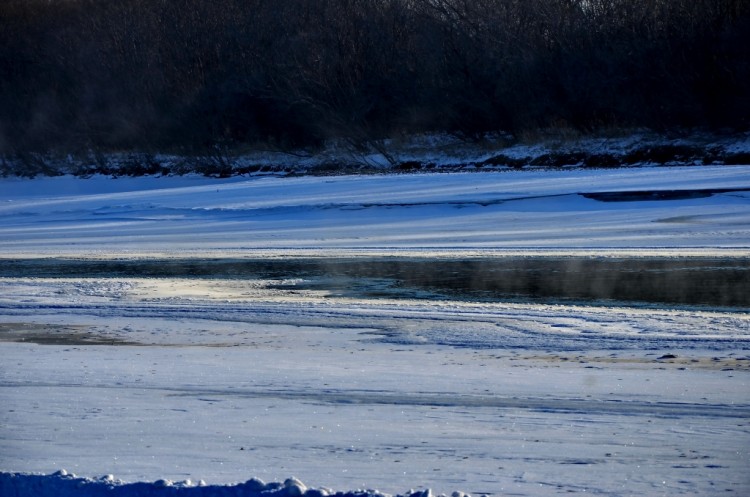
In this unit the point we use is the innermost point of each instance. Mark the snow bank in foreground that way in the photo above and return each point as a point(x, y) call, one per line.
point(63, 484)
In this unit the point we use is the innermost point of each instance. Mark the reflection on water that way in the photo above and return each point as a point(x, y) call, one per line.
point(676, 281)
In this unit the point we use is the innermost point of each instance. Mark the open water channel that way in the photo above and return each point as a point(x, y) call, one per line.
point(701, 281)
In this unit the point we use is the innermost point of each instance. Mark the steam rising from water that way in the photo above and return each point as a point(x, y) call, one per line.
point(714, 282)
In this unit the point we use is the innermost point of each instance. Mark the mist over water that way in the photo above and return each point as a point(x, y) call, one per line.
point(715, 282)
point(709, 282)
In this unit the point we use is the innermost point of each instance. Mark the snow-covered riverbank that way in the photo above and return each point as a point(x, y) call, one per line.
point(701, 209)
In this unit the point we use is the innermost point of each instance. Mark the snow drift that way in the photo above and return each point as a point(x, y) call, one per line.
point(63, 484)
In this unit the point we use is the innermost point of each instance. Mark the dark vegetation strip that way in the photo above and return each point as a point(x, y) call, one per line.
point(197, 77)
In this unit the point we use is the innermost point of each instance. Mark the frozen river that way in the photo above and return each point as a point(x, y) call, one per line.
point(527, 333)
point(502, 376)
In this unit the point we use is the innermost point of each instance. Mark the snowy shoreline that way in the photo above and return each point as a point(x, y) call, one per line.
point(548, 151)
point(388, 253)
point(516, 212)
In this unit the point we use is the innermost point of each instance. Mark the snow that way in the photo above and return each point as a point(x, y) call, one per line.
point(63, 484)
point(539, 210)
point(196, 384)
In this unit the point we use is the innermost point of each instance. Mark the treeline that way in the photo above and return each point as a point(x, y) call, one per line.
point(191, 75)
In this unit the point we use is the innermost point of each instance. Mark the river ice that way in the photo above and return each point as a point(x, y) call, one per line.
point(187, 377)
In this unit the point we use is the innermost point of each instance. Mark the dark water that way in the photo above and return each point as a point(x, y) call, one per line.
point(705, 281)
